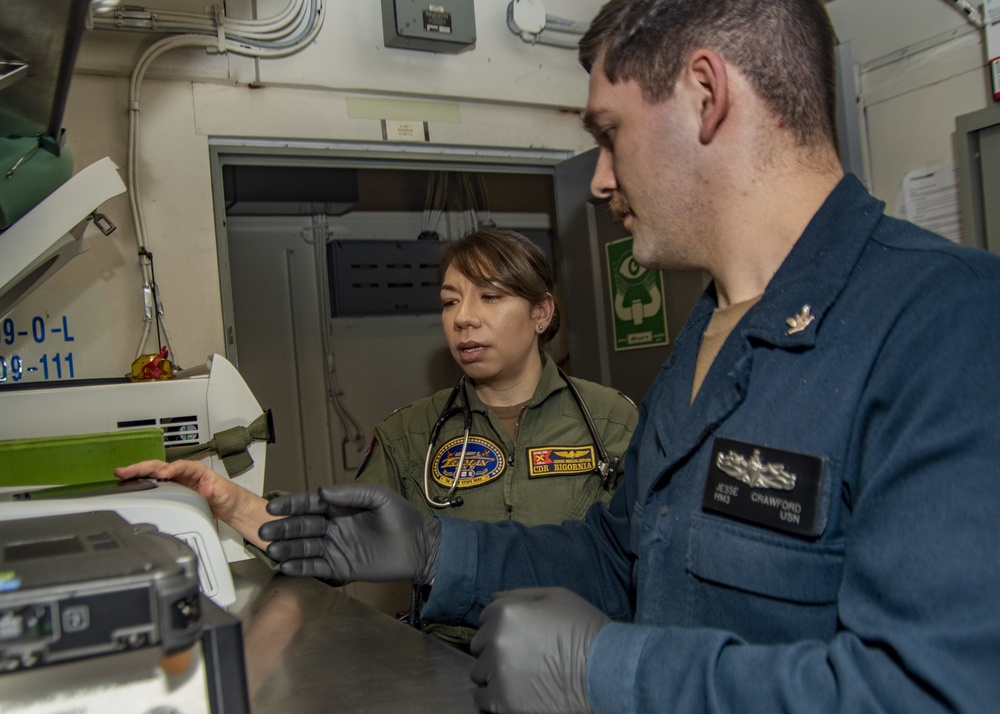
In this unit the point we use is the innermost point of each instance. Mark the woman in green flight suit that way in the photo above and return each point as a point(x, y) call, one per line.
point(530, 455)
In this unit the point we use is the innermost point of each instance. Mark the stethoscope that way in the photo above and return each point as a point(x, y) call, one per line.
point(605, 468)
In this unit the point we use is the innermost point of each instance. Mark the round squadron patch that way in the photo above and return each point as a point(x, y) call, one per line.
point(484, 462)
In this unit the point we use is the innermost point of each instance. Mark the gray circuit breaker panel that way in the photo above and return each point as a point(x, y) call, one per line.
point(430, 25)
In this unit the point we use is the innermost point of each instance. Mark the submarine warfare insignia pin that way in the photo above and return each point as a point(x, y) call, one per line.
point(484, 462)
point(754, 471)
point(561, 461)
point(770, 487)
point(798, 323)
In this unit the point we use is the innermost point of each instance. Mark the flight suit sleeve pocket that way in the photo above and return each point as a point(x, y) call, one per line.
point(762, 562)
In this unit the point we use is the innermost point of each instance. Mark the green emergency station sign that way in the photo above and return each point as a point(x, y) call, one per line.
point(638, 311)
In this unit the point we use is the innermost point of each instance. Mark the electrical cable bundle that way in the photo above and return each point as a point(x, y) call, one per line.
point(293, 27)
point(434, 205)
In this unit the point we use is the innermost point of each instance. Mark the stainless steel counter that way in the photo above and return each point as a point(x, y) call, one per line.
point(311, 648)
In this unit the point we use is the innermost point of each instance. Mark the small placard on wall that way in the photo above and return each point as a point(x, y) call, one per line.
point(394, 130)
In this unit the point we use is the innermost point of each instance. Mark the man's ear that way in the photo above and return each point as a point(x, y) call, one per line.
point(709, 70)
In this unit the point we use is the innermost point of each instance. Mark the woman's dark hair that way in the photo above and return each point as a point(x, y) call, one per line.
point(786, 48)
point(504, 259)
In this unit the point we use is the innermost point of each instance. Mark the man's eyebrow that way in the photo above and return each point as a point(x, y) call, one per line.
point(589, 122)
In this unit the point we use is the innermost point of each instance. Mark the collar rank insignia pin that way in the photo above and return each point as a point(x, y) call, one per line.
point(801, 321)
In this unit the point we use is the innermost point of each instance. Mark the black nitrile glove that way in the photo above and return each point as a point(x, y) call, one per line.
point(532, 646)
point(354, 532)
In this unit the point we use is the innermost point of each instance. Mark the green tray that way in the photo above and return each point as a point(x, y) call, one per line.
point(63, 460)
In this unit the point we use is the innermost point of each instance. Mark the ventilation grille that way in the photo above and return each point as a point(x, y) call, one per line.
point(176, 429)
point(378, 277)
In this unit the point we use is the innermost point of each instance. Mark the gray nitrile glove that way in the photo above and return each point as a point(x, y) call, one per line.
point(532, 647)
point(354, 532)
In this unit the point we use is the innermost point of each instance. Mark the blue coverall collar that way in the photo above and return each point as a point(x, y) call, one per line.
point(800, 294)
point(812, 276)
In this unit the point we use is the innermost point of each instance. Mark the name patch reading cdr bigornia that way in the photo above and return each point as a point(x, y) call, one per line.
point(770, 487)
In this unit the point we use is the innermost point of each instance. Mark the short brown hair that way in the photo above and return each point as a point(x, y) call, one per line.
point(506, 259)
point(786, 48)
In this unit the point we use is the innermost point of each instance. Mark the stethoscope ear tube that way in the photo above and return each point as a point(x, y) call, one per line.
point(606, 467)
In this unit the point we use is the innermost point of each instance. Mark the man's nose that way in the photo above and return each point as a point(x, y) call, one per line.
point(604, 183)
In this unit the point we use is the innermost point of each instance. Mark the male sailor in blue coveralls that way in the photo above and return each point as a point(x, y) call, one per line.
point(808, 515)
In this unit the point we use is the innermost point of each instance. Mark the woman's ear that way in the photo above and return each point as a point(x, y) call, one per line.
point(542, 311)
point(709, 71)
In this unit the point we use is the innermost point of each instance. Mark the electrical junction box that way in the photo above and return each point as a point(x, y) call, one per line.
point(447, 26)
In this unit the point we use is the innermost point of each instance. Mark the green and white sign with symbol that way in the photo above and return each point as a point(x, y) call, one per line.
point(637, 307)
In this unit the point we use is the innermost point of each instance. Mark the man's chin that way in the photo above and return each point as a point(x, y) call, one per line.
point(640, 254)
